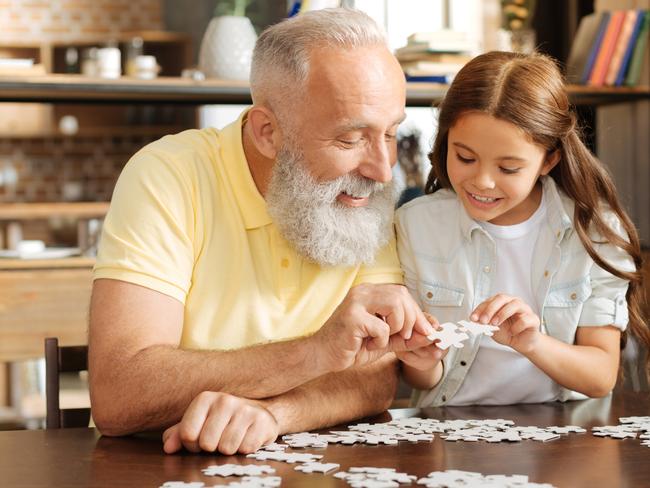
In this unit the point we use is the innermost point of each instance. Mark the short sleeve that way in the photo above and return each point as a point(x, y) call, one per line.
point(385, 269)
point(607, 304)
point(147, 237)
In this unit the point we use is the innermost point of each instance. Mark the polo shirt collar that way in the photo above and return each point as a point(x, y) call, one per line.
point(251, 203)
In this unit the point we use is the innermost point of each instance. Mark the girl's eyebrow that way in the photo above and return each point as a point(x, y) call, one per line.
point(500, 158)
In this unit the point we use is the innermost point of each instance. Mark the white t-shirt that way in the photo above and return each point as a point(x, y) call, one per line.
point(500, 375)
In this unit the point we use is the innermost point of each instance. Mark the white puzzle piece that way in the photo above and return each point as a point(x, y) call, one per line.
point(237, 470)
point(317, 467)
point(448, 335)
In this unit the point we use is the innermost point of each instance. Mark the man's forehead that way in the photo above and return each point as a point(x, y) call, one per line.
point(351, 125)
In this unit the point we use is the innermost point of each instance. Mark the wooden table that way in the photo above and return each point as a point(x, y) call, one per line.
point(81, 457)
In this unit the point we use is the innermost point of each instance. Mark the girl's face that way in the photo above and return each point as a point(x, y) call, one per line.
point(494, 168)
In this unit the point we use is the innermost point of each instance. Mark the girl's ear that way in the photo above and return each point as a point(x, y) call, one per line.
point(551, 161)
point(265, 131)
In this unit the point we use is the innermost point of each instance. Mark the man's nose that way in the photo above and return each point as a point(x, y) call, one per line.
point(378, 162)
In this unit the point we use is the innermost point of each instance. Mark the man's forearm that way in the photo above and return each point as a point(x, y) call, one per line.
point(145, 392)
point(337, 397)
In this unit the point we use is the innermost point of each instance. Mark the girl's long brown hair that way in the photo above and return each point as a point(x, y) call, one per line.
point(529, 92)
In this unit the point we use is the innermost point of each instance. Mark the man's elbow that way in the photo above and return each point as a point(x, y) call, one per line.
point(108, 417)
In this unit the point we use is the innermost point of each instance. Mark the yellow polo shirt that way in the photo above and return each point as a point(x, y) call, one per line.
point(187, 220)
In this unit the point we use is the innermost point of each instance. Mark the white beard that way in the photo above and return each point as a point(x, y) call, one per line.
point(323, 230)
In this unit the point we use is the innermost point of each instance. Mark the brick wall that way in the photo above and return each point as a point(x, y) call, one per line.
point(48, 170)
point(37, 164)
point(66, 20)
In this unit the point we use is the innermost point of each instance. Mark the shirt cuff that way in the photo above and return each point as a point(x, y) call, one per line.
point(601, 311)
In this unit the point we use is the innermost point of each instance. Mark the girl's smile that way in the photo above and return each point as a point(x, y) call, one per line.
point(494, 168)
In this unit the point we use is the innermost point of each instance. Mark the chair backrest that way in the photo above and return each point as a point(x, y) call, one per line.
point(63, 359)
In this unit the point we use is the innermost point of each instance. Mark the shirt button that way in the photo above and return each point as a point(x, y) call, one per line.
point(463, 363)
point(558, 233)
point(486, 269)
point(284, 263)
point(546, 274)
point(429, 294)
point(444, 398)
point(574, 296)
point(621, 301)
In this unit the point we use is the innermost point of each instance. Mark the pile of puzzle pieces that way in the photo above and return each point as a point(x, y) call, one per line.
point(416, 429)
point(629, 427)
point(412, 429)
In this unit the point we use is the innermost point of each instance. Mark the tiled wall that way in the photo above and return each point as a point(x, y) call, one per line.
point(65, 20)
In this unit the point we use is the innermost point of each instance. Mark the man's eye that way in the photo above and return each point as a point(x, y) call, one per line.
point(464, 160)
point(390, 137)
point(509, 171)
point(349, 142)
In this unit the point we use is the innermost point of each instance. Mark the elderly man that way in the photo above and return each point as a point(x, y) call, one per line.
point(247, 282)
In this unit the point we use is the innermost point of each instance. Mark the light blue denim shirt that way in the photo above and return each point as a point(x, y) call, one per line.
point(449, 264)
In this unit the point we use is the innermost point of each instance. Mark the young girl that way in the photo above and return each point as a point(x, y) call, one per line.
point(521, 228)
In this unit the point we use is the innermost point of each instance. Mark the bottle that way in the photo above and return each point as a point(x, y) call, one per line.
point(133, 50)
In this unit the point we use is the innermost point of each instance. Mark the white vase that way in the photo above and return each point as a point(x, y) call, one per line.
point(227, 48)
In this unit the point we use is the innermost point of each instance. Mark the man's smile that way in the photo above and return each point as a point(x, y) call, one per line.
point(352, 201)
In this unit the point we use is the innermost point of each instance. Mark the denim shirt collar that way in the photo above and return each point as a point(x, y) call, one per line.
point(557, 206)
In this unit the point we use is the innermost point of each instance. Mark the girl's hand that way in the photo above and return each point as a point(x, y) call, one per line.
point(424, 358)
point(518, 324)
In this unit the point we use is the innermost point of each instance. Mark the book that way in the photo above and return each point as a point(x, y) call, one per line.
point(434, 57)
point(640, 54)
point(627, 56)
point(606, 50)
point(443, 35)
point(445, 80)
point(621, 45)
point(585, 38)
point(423, 68)
point(442, 46)
point(593, 53)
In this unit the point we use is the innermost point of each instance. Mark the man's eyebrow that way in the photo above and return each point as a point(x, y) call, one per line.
point(500, 158)
point(358, 125)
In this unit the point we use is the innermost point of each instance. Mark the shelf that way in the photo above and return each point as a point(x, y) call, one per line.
point(176, 90)
point(38, 211)
point(124, 131)
point(77, 88)
point(63, 263)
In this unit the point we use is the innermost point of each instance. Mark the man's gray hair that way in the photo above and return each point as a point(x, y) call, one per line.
point(281, 55)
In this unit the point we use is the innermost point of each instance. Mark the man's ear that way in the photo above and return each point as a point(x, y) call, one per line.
point(265, 131)
point(552, 159)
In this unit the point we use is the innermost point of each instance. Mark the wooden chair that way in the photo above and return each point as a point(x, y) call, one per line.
point(63, 359)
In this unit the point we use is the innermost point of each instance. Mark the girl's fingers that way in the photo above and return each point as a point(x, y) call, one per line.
point(525, 322)
point(508, 310)
point(484, 313)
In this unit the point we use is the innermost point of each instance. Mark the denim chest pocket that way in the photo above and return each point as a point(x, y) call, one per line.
point(569, 294)
point(563, 307)
point(442, 301)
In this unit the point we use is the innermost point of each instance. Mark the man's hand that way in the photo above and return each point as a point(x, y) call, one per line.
point(424, 358)
point(372, 320)
point(518, 324)
point(224, 423)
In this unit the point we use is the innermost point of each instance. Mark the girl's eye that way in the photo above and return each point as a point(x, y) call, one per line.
point(509, 171)
point(464, 160)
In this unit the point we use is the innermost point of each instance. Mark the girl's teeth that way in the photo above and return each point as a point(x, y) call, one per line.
point(483, 199)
